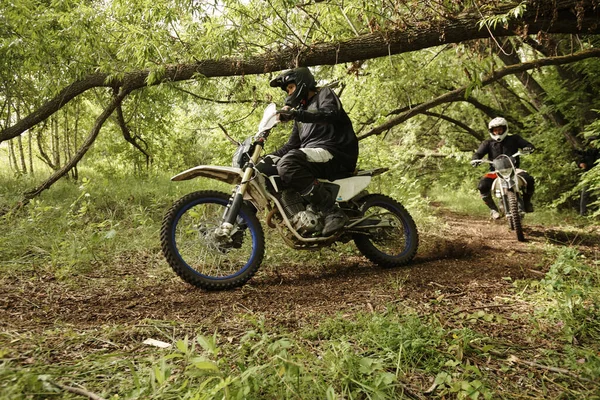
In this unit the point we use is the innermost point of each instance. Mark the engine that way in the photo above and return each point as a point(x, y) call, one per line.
point(304, 219)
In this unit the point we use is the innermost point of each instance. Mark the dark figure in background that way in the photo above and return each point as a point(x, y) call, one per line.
point(500, 143)
point(322, 144)
point(586, 160)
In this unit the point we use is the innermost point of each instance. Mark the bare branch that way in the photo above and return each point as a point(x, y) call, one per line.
point(116, 100)
point(129, 138)
point(465, 127)
point(215, 100)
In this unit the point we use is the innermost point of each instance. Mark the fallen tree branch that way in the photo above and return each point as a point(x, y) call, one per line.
point(559, 18)
point(459, 94)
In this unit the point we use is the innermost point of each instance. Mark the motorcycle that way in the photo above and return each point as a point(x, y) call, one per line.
point(508, 187)
point(215, 241)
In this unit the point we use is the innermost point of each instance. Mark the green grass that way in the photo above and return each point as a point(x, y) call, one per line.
point(365, 356)
point(465, 199)
point(77, 227)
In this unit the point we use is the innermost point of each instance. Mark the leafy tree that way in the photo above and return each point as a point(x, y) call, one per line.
point(100, 64)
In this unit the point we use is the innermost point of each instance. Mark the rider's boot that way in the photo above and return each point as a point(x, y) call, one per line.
point(527, 202)
point(487, 199)
point(323, 201)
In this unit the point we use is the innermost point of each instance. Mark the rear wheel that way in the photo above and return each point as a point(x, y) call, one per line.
point(198, 254)
point(514, 219)
point(388, 235)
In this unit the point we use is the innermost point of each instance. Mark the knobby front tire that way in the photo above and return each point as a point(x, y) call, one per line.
point(515, 215)
point(197, 255)
point(392, 244)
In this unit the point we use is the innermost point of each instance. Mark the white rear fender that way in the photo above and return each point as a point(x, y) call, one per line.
point(350, 187)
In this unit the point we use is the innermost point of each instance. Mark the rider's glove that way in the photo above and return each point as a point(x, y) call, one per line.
point(476, 163)
point(528, 150)
point(286, 115)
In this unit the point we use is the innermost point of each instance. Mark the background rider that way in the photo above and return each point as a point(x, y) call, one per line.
point(501, 143)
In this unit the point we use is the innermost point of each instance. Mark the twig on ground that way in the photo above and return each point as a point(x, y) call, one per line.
point(78, 391)
point(407, 391)
point(536, 272)
point(517, 360)
point(480, 307)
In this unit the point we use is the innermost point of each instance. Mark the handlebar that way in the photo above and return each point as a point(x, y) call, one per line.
point(521, 152)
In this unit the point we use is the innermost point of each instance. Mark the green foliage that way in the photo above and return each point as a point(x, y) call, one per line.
point(112, 211)
point(513, 14)
point(66, 238)
point(574, 284)
point(358, 355)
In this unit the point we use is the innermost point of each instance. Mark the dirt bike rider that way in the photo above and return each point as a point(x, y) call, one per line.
point(322, 144)
point(500, 143)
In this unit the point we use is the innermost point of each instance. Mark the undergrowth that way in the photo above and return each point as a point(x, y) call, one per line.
point(402, 352)
point(381, 355)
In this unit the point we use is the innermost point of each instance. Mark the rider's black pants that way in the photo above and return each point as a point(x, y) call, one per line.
point(299, 174)
point(485, 184)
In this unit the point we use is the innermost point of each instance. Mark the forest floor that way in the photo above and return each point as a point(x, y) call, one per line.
point(470, 264)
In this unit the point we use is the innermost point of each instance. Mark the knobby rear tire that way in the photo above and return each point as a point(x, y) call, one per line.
point(204, 262)
point(515, 215)
point(388, 247)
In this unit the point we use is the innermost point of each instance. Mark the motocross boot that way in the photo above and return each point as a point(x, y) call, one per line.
point(322, 200)
point(527, 202)
point(487, 199)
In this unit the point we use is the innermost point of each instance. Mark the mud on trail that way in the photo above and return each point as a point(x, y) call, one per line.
point(458, 268)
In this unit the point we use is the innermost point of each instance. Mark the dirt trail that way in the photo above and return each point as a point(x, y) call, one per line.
point(460, 265)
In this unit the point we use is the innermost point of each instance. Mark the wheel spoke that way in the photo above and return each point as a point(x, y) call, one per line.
point(201, 250)
point(390, 237)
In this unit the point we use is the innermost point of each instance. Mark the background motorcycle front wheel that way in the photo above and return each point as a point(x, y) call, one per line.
point(515, 217)
point(394, 240)
point(200, 257)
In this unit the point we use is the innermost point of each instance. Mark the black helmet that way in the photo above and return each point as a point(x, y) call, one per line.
point(304, 81)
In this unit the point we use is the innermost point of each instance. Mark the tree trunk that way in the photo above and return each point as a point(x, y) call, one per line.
point(30, 149)
point(74, 170)
point(133, 140)
point(20, 147)
point(12, 159)
point(539, 97)
point(55, 142)
point(42, 151)
point(22, 155)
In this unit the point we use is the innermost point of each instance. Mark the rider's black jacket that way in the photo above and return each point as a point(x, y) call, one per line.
point(588, 157)
point(509, 146)
point(323, 123)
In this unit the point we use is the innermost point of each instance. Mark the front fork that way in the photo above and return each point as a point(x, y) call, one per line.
point(237, 198)
point(502, 189)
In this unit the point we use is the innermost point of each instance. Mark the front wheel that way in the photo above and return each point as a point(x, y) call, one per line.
point(388, 235)
point(198, 254)
point(514, 219)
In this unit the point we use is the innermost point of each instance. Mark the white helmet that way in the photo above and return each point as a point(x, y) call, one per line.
point(495, 123)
